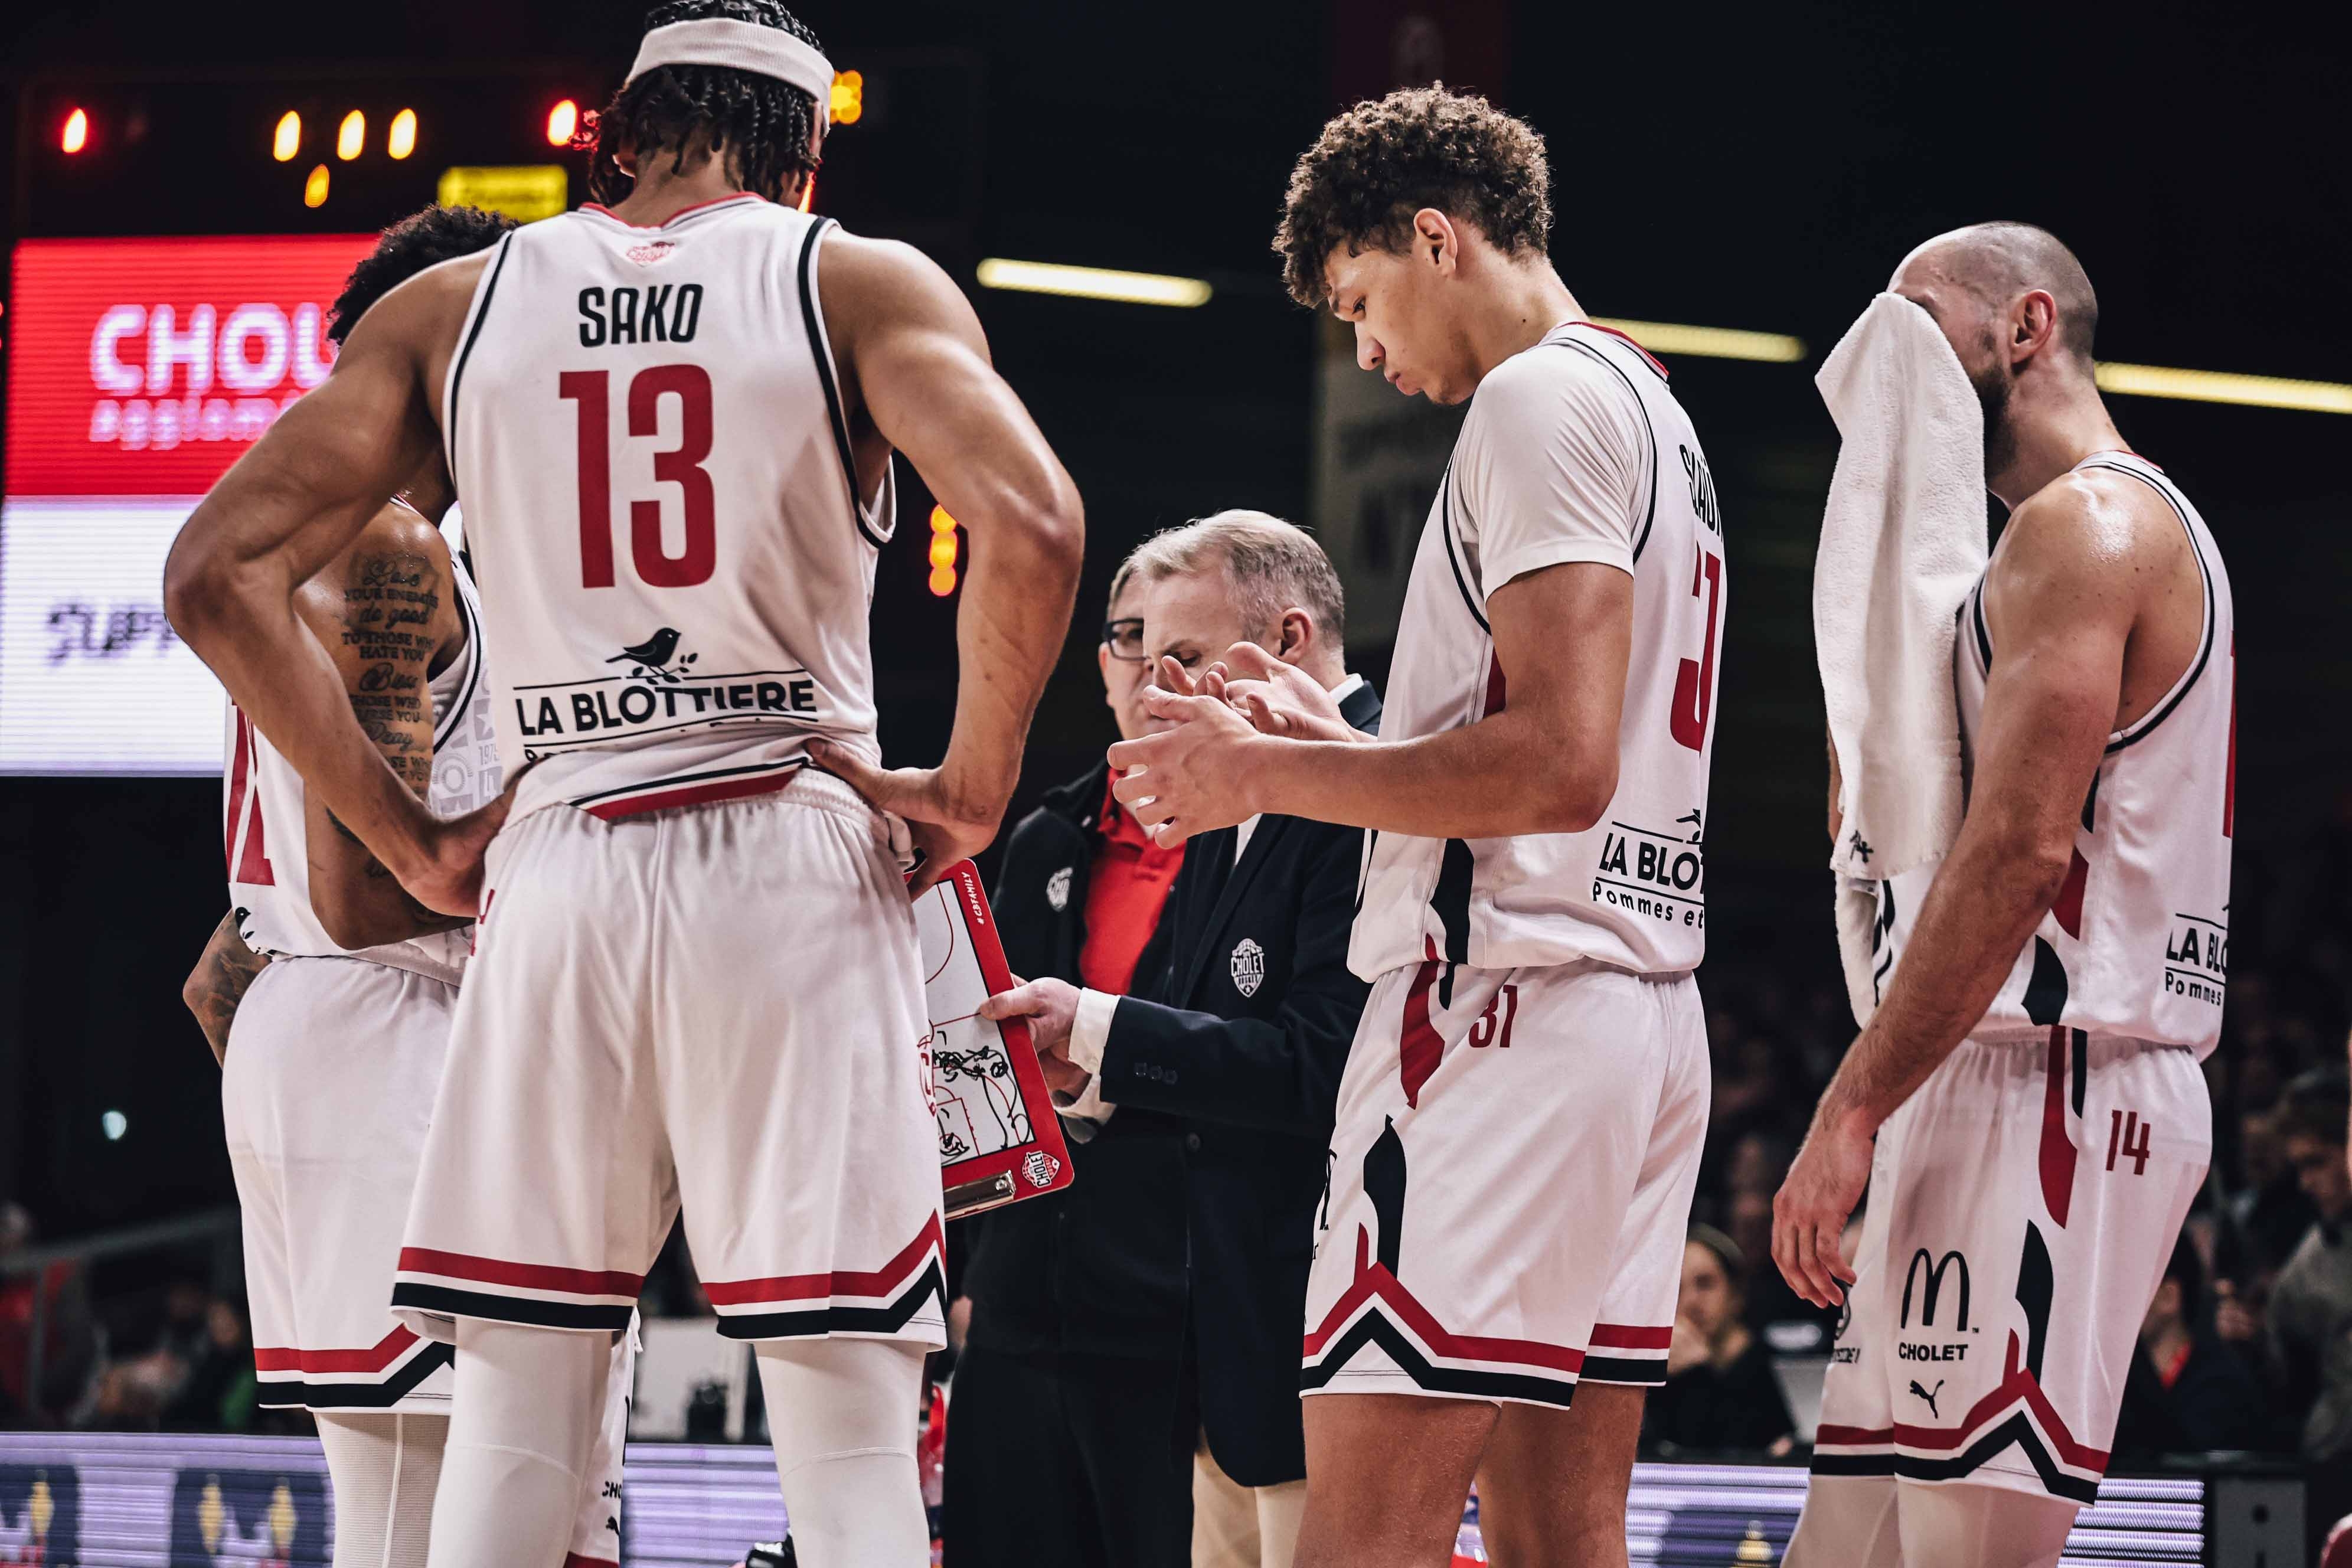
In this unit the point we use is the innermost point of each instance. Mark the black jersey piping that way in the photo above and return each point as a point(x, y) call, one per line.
point(1446, 523)
point(1976, 620)
point(473, 335)
point(448, 724)
point(821, 351)
point(1648, 430)
point(2205, 650)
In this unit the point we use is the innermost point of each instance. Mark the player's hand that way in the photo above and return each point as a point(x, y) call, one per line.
point(947, 823)
point(1191, 779)
point(447, 876)
point(1810, 1210)
point(1280, 699)
point(1049, 1008)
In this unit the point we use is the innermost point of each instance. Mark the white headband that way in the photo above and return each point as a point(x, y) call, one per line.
point(742, 45)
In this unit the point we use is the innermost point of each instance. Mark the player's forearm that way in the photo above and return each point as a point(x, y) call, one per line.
point(239, 619)
point(1986, 900)
point(1501, 776)
point(1010, 627)
point(219, 982)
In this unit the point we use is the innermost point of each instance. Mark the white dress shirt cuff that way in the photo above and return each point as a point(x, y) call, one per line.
point(1090, 1030)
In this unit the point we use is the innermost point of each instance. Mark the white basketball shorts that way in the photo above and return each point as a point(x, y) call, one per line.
point(1511, 1183)
point(2022, 1205)
point(326, 1096)
point(719, 1006)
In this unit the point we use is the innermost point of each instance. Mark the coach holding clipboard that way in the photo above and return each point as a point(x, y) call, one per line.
point(1234, 1040)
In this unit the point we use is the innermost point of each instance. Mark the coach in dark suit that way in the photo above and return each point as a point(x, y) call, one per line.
point(1238, 1040)
point(1071, 1427)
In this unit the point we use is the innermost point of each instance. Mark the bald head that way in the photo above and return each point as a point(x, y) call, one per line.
point(1996, 264)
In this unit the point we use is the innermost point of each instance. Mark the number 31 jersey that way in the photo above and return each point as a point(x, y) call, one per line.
point(1573, 450)
point(675, 568)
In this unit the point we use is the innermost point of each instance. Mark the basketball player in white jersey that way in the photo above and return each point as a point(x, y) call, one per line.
point(339, 1041)
point(2026, 1103)
point(1520, 1124)
point(671, 418)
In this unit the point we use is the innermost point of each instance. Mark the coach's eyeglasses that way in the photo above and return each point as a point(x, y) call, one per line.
point(1125, 638)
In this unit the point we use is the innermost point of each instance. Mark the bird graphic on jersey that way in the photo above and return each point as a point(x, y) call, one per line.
point(652, 656)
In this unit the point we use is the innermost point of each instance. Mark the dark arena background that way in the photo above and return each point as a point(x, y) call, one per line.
point(1732, 186)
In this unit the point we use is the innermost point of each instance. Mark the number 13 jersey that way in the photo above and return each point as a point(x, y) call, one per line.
point(648, 437)
point(1573, 450)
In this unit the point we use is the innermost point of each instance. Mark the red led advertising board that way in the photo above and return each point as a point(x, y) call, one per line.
point(139, 371)
point(148, 366)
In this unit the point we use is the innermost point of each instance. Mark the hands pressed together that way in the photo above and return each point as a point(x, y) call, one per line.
point(1200, 775)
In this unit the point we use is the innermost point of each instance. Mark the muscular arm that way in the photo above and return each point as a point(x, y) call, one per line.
point(218, 982)
point(385, 611)
point(916, 362)
point(1545, 764)
point(291, 506)
point(2061, 599)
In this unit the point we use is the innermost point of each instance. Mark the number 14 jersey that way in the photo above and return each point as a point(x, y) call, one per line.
point(1573, 450)
point(675, 568)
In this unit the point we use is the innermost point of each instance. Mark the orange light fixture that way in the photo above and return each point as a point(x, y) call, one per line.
point(76, 134)
point(400, 140)
point(314, 189)
point(351, 136)
point(943, 553)
point(287, 140)
point(847, 99)
point(562, 123)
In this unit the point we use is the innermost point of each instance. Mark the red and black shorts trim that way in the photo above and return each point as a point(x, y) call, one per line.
point(1377, 1310)
point(2015, 1413)
point(375, 1378)
point(877, 1302)
point(1628, 1353)
point(459, 1285)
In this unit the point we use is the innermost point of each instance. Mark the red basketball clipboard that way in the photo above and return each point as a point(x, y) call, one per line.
point(1000, 1137)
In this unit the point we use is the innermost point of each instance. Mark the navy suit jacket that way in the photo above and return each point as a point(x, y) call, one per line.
point(1240, 1037)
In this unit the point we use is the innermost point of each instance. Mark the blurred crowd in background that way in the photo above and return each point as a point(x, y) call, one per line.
point(2247, 1345)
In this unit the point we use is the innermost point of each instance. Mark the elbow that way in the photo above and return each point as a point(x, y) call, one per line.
point(1060, 522)
point(346, 922)
point(2043, 871)
point(1574, 800)
point(196, 590)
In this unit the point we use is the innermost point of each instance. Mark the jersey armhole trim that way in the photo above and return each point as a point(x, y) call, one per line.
point(2172, 699)
point(446, 724)
point(475, 317)
point(1649, 431)
point(1445, 524)
point(820, 348)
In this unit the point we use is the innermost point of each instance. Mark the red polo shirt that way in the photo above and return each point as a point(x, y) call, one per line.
point(1130, 883)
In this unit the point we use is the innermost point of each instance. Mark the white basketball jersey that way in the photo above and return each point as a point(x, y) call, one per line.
point(1572, 450)
point(661, 504)
point(2138, 943)
point(264, 822)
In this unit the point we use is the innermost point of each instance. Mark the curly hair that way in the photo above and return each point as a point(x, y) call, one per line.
point(422, 239)
point(765, 128)
point(1382, 160)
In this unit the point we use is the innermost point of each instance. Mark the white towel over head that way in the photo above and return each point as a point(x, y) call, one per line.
point(1903, 540)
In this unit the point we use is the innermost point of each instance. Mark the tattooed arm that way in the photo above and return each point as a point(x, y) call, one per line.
point(386, 612)
point(217, 984)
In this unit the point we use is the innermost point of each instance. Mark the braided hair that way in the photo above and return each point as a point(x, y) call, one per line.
point(422, 239)
point(762, 127)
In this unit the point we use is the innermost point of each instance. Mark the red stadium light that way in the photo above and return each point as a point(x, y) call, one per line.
point(76, 134)
point(563, 122)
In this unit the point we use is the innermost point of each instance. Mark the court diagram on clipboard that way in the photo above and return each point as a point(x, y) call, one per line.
point(975, 1090)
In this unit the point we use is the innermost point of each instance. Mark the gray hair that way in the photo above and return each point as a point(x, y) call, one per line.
point(1270, 564)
